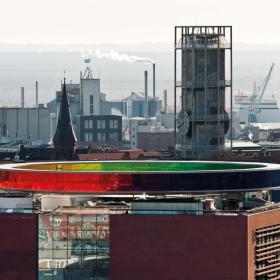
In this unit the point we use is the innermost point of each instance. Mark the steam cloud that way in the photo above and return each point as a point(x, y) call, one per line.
point(121, 57)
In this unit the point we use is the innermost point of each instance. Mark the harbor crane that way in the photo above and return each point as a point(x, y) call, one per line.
point(257, 95)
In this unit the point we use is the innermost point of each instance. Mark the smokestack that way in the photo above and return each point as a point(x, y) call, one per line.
point(22, 97)
point(36, 101)
point(164, 98)
point(146, 94)
point(154, 81)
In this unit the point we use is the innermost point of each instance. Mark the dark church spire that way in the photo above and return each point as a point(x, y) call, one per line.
point(64, 139)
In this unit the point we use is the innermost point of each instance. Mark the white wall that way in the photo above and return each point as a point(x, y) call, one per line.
point(23, 123)
point(90, 87)
point(16, 202)
point(167, 120)
point(53, 201)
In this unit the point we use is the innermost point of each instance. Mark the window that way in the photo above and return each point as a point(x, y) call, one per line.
point(214, 141)
point(100, 136)
point(113, 136)
point(88, 124)
point(91, 104)
point(213, 110)
point(88, 136)
point(114, 124)
point(100, 124)
point(74, 241)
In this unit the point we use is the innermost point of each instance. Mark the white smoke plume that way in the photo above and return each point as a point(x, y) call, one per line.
point(120, 57)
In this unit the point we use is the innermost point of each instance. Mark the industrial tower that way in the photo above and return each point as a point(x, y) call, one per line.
point(203, 60)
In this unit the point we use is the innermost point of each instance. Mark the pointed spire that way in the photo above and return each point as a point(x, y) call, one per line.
point(64, 139)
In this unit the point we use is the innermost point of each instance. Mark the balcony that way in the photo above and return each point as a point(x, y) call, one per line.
point(199, 148)
point(210, 117)
point(203, 84)
point(200, 43)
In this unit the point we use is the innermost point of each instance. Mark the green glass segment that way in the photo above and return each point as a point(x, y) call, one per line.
point(160, 166)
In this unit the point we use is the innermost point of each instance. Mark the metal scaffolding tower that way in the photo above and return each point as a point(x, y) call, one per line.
point(203, 61)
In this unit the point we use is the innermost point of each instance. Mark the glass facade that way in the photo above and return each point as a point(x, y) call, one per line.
point(73, 247)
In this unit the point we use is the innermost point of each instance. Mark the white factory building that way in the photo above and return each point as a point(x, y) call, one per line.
point(28, 124)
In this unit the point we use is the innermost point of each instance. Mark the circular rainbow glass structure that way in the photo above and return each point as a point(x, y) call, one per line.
point(138, 176)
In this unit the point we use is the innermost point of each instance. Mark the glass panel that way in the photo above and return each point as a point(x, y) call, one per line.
point(60, 235)
point(89, 222)
point(80, 274)
point(58, 274)
point(45, 259)
point(77, 247)
point(60, 254)
point(102, 244)
point(74, 234)
point(59, 221)
point(60, 245)
point(88, 234)
point(74, 220)
point(87, 246)
point(43, 235)
point(45, 221)
point(45, 274)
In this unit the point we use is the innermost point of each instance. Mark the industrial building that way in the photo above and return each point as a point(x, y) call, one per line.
point(95, 131)
point(156, 141)
point(83, 99)
point(73, 93)
point(204, 55)
point(151, 134)
point(136, 105)
point(90, 94)
point(25, 124)
point(87, 103)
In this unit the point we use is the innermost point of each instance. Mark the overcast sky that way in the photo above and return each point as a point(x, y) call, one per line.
point(133, 21)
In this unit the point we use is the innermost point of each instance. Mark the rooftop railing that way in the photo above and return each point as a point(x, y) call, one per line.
point(202, 84)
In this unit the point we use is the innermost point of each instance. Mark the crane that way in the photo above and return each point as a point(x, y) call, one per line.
point(264, 84)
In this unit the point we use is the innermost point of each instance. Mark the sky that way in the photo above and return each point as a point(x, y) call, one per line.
point(132, 21)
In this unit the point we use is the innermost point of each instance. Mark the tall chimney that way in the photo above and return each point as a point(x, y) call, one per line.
point(36, 104)
point(164, 98)
point(154, 81)
point(146, 94)
point(22, 97)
